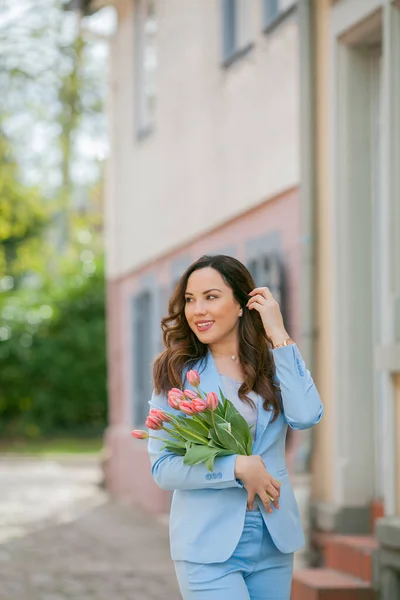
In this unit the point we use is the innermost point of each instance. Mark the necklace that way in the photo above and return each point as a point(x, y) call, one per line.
point(232, 357)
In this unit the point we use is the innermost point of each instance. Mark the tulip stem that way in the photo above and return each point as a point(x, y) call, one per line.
point(174, 433)
point(153, 437)
point(195, 435)
point(213, 419)
point(201, 394)
point(201, 422)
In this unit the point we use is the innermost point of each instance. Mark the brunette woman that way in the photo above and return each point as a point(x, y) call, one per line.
point(229, 540)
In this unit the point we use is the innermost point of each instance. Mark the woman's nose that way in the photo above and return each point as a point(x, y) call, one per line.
point(200, 308)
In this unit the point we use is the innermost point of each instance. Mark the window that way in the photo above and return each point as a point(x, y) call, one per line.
point(276, 10)
point(142, 356)
point(267, 271)
point(236, 28)
point(145, 29)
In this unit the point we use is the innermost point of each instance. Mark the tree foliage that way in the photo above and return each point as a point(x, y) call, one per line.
point(53, 361)
point(52, 300)
point(23, 215)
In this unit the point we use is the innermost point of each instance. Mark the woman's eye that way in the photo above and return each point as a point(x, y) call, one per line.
point(211, 296)
point(187, 300)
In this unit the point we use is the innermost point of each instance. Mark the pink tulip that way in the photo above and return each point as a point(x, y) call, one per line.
point(177, 392)
point(186, 407)
point(163, 416)
point(156, 412)
point(166, 418)
point(140, 435)
point(193, 378)
point(190, 394)
point(199, 405)
point(153, 422)
point(212, 400)
point(174, 402)
point(175, 397)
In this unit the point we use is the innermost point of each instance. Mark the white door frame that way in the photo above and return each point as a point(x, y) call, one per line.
point(353, 352)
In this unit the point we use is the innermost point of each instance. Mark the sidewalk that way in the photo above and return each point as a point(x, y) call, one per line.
point(61, 538)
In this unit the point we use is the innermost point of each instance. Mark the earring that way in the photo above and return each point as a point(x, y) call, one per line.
point(241, 312)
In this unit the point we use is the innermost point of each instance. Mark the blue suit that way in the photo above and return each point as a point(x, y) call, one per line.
point(208, 509)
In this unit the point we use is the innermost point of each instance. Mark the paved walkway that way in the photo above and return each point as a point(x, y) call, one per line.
point(61, 538)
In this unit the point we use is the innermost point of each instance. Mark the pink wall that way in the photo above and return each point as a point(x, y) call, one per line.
point(127, 465)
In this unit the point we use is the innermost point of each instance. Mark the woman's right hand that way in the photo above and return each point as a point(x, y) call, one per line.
point(256, 479)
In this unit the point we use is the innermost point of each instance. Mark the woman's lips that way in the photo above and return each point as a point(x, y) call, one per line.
point(205, 326)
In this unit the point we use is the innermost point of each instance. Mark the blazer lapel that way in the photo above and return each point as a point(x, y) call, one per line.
point(210, 379)
point(263, 418)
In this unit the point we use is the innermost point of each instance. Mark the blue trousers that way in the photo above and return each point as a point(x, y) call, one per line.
point(257, 570)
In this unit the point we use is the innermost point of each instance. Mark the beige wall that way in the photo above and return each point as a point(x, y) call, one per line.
point(323, 456)
point(225, 140)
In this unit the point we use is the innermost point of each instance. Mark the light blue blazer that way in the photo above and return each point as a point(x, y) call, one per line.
point(208, 509)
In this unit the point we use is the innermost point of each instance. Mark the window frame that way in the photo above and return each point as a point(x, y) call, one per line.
point(232, 46)
point(270, 23)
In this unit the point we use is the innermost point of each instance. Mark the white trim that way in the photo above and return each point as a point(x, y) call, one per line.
point(336, 487)
point(349, 17)
point(353, 483)
point(377, 258)
point(390, 195)
point(348, 13)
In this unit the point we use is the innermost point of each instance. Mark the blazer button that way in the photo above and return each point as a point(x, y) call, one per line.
point(219, 475)
point(213, 475)
point(208, 476)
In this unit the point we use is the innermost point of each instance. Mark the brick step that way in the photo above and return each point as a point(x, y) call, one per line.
point(328, 584)
point(350, 554)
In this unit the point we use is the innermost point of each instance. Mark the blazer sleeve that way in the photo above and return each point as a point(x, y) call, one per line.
point(302, 405)
point(169, 472)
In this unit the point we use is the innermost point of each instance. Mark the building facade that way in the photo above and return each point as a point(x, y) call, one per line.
point(357, 158)
point(269, 130)
point(205, 159)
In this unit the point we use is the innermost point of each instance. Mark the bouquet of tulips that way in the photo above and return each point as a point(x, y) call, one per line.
point(208, 427)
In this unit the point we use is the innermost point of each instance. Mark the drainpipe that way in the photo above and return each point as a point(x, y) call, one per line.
point(307, 204)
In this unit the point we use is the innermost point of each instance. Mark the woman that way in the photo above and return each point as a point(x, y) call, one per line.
point(229, 540)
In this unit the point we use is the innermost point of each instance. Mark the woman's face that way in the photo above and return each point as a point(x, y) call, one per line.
point(211, 310)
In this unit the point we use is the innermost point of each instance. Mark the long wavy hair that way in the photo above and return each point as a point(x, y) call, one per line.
point(183, 348)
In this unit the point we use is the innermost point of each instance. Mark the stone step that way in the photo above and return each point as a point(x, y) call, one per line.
point(328, 584)
point(350, 554)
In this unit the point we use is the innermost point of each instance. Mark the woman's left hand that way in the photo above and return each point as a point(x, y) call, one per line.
point(262, 300)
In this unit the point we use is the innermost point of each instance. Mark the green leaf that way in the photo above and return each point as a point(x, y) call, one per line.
point(240, 428)
point(191, 435)
point(175, 444)
point(210, 462)
point(175, 449)
point(215, 441)
point(226, 438)
point(196, 454)
point(197, 427)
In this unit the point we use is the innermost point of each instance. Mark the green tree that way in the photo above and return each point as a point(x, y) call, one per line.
point(23, 216)
point(53, 360)
point(52, 325)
